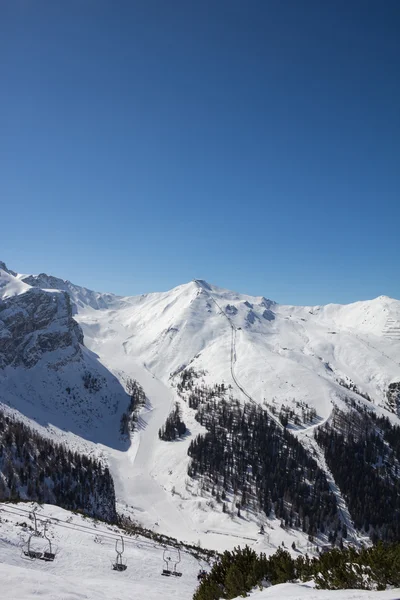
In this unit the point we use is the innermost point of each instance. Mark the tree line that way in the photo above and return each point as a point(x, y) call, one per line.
point(236, 573)
point(33, 467)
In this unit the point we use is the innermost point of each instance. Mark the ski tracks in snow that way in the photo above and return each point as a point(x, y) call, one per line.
point(138, 492)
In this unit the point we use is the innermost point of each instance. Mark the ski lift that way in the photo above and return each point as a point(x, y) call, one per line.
point(30, 552)
point(34, 553)
point(119, 564)
point(169, 561)
point(201, 574)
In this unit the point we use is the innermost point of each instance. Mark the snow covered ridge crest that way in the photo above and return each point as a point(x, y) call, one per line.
point(80, 296)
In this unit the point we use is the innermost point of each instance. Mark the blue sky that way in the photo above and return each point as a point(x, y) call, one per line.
point(252, 144)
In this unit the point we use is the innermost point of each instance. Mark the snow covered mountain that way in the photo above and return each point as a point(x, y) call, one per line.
point(192, 324)
point(46, 373)
point(67, 354)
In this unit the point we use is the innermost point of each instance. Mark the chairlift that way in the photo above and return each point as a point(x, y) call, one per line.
point(30, 552)
point(35, 553)
point(169, 561)
point(201, 574)
point(119, 564)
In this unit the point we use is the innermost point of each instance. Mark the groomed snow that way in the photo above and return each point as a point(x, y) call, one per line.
point(85, 551)
point(292, 591)
point(82, 568)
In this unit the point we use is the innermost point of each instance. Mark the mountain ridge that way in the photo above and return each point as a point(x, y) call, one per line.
point(40, 279)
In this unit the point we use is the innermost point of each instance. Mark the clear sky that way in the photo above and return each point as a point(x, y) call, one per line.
point(254, 144)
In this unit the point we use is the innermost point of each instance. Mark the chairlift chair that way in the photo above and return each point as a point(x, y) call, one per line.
point(119, 564)
point(34, 553)
point(31, 552)
point(169, 561)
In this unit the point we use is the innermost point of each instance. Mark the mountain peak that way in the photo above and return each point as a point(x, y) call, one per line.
point(3, 267)
point(202, 283)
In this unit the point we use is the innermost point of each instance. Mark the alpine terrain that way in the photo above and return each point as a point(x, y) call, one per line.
point(216, 418)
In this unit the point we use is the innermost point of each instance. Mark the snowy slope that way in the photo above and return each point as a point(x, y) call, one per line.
point(85, 551)
point(281, 355)
point(82, 568)
point(10, 285)
point(291, 591)
point(281, 351)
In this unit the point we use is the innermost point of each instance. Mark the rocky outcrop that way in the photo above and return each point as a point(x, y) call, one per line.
point(268, 315)
point(251, 317)
point(36, 323)
point(393, 397)
point(3, 267)
point(267, 303)
point(231, 310)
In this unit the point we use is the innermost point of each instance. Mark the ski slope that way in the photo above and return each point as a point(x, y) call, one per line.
point(85, 552)
point(291, 591)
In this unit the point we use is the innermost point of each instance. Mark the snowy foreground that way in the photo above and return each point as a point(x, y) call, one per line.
point(85, 551)
point(291, 591)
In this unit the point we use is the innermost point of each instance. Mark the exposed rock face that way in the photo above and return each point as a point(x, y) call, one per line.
point(3, 266)
point(251, 317)
point(231, 310)
point(268, 314)
point(35, 323)
point(267, 303)
point(393, 396)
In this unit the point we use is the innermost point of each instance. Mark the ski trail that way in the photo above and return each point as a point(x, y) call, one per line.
point(138, 493)
point(317, 453)
point(369, 345)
